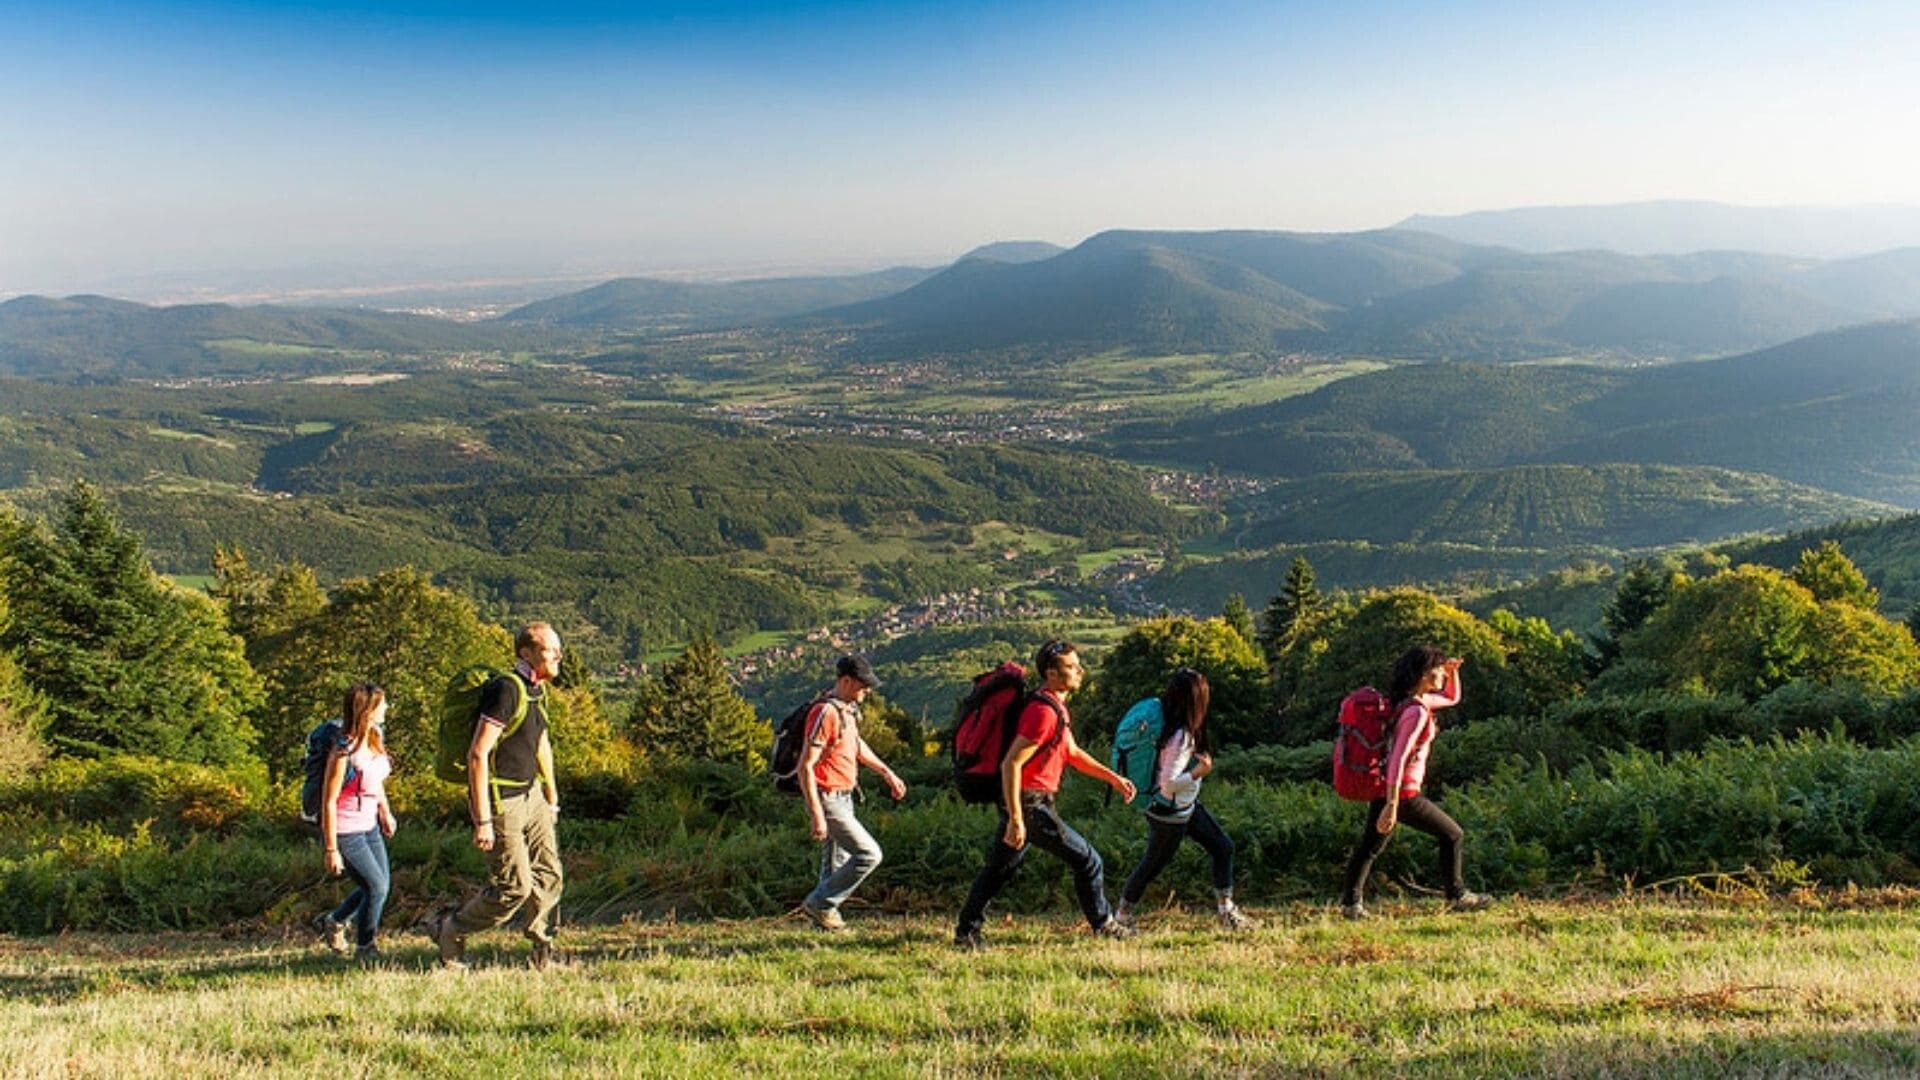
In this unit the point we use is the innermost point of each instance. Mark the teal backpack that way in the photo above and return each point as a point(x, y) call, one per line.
point(1136, 747)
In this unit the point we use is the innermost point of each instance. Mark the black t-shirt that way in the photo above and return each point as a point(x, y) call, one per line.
point(516, 756)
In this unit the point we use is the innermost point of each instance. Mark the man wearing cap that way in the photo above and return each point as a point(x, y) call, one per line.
point(829, 770)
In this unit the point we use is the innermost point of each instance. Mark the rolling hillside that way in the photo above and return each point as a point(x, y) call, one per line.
point(1831, 411)
point(651, 303)
point(1534, 506)
point(1393, 293)
point(93, 336)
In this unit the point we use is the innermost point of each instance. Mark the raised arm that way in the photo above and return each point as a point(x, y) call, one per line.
point(1449, 696)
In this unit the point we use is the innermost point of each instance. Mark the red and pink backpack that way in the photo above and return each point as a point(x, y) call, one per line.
point(1360, 749)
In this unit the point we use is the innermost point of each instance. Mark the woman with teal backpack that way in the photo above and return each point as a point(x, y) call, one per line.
point(1171, 732)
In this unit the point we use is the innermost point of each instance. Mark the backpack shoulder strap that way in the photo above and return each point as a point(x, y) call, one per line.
point(522, 700)
point(1059, 715)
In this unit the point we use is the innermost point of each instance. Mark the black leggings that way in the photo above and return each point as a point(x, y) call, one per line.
point(1163, 842)
point(1422, 814)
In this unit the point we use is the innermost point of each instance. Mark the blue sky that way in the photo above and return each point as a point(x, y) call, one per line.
point(157, 138)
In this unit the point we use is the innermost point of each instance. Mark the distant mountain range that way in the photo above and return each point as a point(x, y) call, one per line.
point(1680, 226)
point(641, 303)
point(1393, 293)
point(94, 336)
point(1834, 411)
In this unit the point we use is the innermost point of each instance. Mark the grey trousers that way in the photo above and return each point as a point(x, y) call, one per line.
point(523, 870)
point(847, 855)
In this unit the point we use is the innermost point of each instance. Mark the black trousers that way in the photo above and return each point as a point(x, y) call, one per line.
point(1163, 842)
point(1420, 813)
point(1047, 832)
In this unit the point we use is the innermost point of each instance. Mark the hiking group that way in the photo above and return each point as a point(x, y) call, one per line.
point(1012, 746)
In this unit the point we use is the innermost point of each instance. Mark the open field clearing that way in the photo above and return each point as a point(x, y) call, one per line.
point(1820, 984)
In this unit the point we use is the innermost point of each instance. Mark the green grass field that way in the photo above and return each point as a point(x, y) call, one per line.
point(1657, 988)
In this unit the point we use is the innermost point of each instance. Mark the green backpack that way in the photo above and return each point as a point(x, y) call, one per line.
point(1136, 747)
point(460, 710)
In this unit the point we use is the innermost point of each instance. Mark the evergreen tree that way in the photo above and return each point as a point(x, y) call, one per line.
point(21, 710)
point(124, 660)
point(1235, 612)
point(1644, 587)
point(1829, 575)
point(691, 712)
point(1289, 609)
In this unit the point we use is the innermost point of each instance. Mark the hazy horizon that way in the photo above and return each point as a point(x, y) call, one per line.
point(234, 146)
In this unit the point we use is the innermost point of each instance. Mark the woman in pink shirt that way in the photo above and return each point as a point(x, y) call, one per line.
point(1424, 681)
point(355, 821)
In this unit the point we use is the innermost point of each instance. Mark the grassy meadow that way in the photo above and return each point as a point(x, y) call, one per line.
point(1639, 986)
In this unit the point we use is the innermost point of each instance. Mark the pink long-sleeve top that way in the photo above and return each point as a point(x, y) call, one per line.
point(1413, 734)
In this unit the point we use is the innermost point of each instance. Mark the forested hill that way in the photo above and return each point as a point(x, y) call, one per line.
point(651, 303)
point(1393, 293)
point(1538, 506)
point(1833, 411)
point(93, 336)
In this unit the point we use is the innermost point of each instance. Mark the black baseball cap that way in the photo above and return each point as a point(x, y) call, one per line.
point(855, 666)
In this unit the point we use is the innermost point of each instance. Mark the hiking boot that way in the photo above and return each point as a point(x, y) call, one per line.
point(1124, 917)
point(452, 946)
point(825, 918)
point(969, 941)
point(1234, 920)
point(334, 934)
point(1355, 910)
point(1115, 929)
point(1469, 901)
point(546, 955)
point(370, 956)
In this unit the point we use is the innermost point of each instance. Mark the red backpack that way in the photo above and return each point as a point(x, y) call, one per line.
point(1360, 749)
point(988, 718)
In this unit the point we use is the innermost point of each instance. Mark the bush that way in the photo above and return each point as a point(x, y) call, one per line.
point(715, 839)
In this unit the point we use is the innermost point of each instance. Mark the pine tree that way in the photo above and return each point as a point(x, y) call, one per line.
point(1289, 609)
point(124, 660)
point(691, 712)
point(1235, 612)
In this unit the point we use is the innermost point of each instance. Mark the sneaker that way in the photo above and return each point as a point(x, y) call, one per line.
point(1355, 910)
point(453, 947)
point(969, 942)
point(1115, 929)
point(1469, 901)
point(1234, 920)
point(333, 933)
point(1124, 917)
point(825, 918)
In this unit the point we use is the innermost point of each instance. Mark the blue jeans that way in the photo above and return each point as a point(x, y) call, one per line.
point(365, 856)
point(1047, 832)
point(847, 855)
point(1163, 842)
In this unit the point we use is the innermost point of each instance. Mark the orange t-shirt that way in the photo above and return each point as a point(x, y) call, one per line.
point(836, 726)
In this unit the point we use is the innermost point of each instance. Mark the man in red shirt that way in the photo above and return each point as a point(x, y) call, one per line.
point(829, 772)
point(1030, 776)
